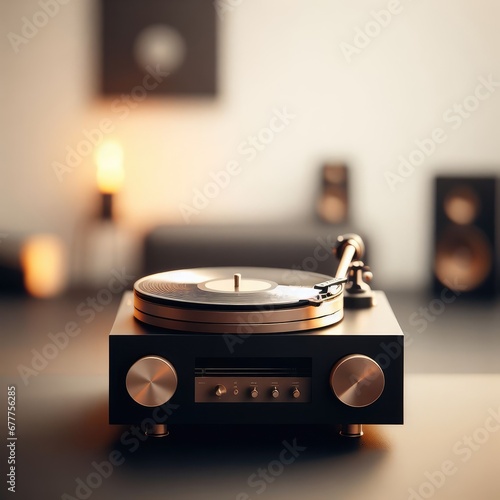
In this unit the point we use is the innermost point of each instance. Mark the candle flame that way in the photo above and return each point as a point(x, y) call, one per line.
point(43, 262)
point(109, 159)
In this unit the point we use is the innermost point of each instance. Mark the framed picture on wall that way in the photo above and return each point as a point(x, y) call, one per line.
point(167, 46)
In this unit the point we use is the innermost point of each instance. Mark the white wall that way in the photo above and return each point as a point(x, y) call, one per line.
point(273, 54)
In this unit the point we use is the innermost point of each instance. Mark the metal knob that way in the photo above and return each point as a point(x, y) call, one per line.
point(357, 380)
point(220, 390)
point(151, 381)
point(296, 393)
point(275, 393)
point(254, 393)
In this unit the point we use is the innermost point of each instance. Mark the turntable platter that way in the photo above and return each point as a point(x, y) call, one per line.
point(222, 299)
point(228, 286)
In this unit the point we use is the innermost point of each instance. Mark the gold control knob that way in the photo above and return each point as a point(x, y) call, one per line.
point(254, 392)
point(296, 393)
point(151, 381)
point(357, 380)
point(275, 393)
point(220, 390)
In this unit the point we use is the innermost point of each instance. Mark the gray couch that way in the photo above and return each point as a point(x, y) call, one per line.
point(290, 246)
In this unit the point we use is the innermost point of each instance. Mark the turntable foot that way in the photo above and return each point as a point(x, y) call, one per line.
point(351, 430)
point(157, 430)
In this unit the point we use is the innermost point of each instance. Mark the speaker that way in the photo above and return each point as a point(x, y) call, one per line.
point(332, 205)
point(158, 47)
point(466, 235)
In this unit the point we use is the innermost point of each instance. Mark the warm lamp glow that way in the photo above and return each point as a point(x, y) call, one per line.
point(109, 159)
point(43, 263)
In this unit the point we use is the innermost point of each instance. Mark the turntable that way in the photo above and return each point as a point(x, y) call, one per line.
point(257, 346)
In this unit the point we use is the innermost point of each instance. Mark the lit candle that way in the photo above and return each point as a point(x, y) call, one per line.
point(109, 159)
point(43, 261)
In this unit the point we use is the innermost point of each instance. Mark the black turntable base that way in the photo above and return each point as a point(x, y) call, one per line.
point(257, 346)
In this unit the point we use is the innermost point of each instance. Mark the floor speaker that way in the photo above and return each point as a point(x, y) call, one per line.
point(466, 235)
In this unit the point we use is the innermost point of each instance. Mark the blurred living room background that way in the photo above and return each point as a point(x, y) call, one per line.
point(223, 115)
point(147, 135)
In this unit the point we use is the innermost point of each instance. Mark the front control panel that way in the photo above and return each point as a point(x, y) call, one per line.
point(252, 390)
point(253, 380)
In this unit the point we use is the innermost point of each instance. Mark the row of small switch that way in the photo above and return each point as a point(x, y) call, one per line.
point(221, 390)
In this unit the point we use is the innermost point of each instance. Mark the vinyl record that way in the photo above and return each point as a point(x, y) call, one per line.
point(227, 299)
point(215, 287)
